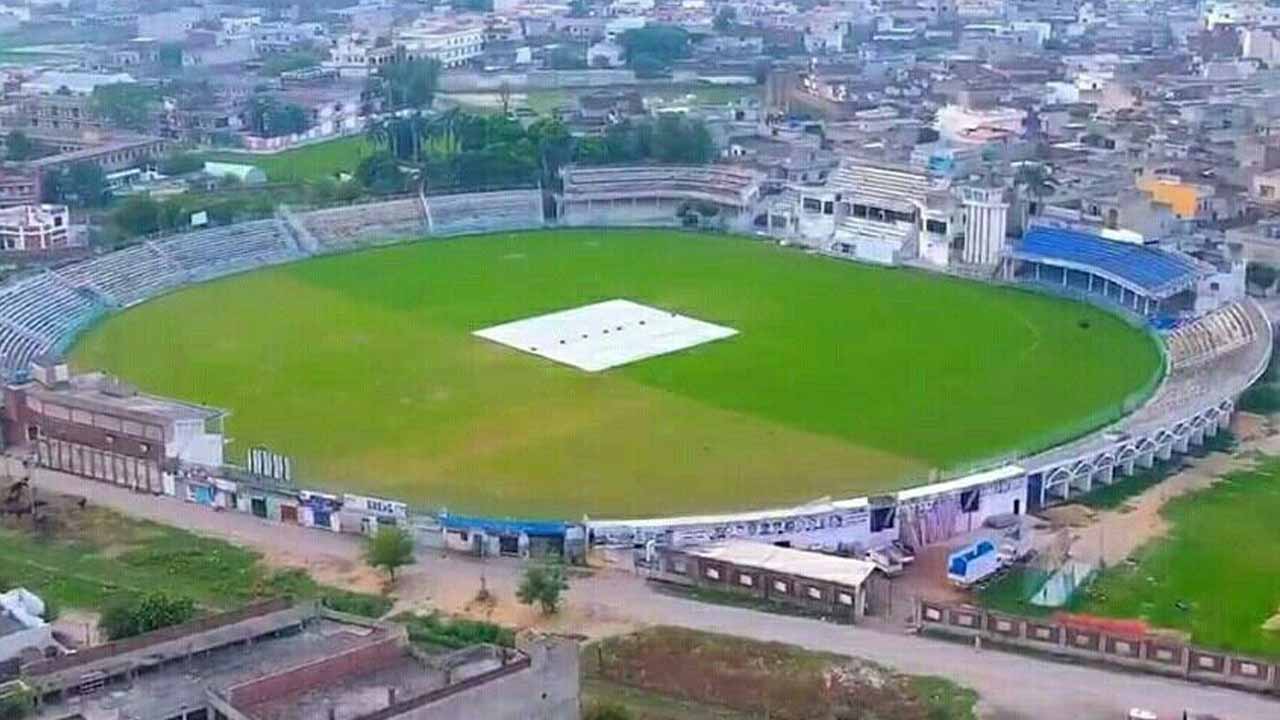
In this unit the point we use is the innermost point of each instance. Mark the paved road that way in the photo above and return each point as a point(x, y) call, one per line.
point(1011, 686)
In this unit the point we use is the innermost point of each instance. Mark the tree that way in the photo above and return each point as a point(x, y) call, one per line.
point(390, 549)
point(660, 44)
point(725, 19)
point(567, 56)
point(169, 56)
point(18, 146)
point(181, 164)
point(83, 183)
point(268, 117)
point(543, 585)
point(17, 701)
point(1033, 179)
point(504, 97)
point(125, 105)
point(407, 84)
point(136, 216)
point(146, 613)
point(1260, 275)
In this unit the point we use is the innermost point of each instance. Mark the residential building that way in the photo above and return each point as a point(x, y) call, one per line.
point(35, 228)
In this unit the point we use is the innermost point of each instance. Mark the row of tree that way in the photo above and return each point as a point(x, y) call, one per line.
point(458, 150)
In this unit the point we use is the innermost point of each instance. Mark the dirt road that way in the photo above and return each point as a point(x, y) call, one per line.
point(609, 601)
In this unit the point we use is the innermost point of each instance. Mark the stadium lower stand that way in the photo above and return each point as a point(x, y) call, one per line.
point(465, 213)
point(1207, 337)
point(653, 194)
point(351, 226)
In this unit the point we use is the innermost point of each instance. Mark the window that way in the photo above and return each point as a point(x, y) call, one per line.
point(814, 593)
point(745, 580)
point(712, 573)
point(845, 598)
point(882, 518)
point(680, 567)
point(937, 227)
point(781, 586)
point(970, 500)
point(33, 432)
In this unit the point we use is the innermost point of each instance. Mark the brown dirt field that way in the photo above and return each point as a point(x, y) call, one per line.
point(778, 681)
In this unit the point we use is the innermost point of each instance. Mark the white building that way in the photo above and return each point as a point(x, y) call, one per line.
point(451, 43)
point(986, 219)
point(358, 55)
point(34, 228)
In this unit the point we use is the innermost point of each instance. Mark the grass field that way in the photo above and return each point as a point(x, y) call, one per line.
point(1221, 561)
point(843, 379)
point(310, 162)
point(91, 558)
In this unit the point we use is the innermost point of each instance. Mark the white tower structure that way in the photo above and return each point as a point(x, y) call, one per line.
point(986, 214)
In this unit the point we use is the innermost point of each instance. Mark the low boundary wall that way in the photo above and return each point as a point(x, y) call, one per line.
point(1147, 653)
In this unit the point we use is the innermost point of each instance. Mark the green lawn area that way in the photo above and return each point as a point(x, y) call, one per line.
point(310, 162)
point(91, 558)
point(843, 379)
point(1221, 560)
point(667, 673)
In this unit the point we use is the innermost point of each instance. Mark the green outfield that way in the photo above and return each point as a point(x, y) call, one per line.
point(843, 379)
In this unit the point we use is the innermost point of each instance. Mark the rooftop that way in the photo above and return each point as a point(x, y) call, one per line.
point(1141, 268)
point(101, 393)
point(829, 568)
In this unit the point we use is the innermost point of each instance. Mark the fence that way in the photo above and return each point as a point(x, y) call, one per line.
point(1144, 652)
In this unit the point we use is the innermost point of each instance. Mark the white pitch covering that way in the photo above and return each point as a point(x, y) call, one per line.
point(605, 335)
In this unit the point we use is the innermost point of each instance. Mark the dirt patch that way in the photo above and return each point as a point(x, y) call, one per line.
point(1075, 516)
point(328, 570)
point(1249, 427)
point(769, 679)
point(77, 627)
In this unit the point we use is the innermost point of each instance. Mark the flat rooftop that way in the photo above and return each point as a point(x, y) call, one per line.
point(181, 683)
point(94, 392)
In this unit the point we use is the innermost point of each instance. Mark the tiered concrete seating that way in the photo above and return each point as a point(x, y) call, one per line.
point(353, 226)
point(39, 314)
point(485, 212)
point(1214, 334)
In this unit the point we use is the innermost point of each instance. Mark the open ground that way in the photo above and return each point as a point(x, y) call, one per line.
point(309, 162)
point(842, 379)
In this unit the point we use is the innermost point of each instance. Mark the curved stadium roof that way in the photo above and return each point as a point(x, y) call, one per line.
point(1143, 269)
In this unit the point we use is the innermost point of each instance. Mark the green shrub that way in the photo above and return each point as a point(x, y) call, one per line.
point(435, 630)
point(370, 606)
point(146, 613)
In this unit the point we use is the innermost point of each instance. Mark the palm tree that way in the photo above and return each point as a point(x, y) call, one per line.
point(1033, 179)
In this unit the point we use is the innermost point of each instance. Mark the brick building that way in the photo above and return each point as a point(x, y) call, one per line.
point(97, 427)
point(836, 587)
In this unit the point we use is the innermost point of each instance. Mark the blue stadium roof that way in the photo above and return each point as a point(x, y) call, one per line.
point(1146, 270)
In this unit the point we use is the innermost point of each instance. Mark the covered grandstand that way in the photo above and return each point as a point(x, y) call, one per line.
point(652, 195)
point(1147, 280)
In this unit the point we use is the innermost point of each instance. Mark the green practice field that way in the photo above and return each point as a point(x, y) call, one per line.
point(1216, 575)
point(843, 379)
point(307, 163)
